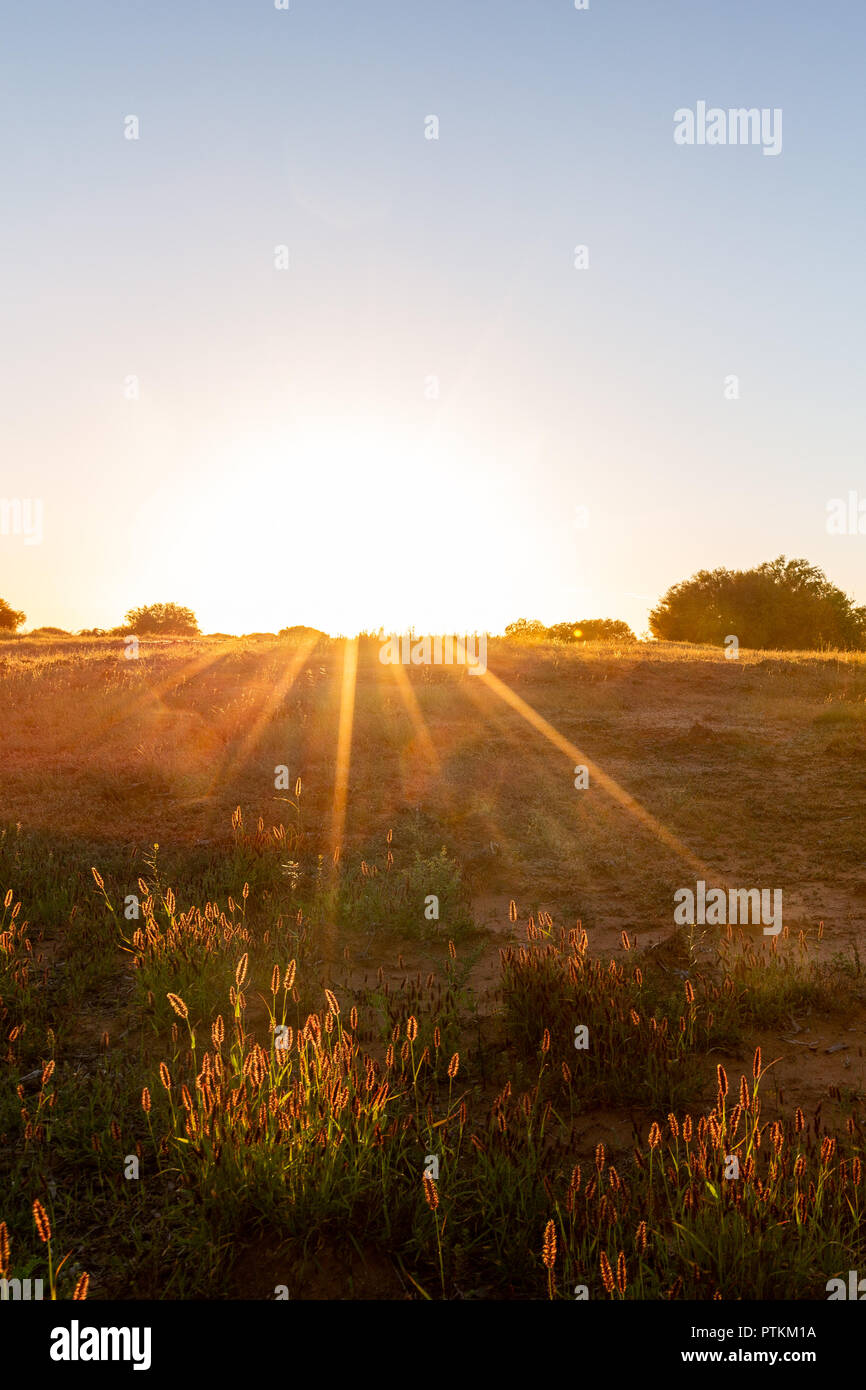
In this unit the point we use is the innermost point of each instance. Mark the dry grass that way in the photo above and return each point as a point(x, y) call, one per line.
point(281, 1036)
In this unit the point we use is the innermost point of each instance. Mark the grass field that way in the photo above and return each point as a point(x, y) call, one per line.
point(230, 1052)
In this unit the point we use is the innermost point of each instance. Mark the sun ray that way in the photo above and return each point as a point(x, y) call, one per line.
point(512, 735)
point(344, 742)
point(600, 778)
point(469, 686)
point(449, 800)
point(341, 786)
point(194, 667)
point(232, 761)
point(410, 700)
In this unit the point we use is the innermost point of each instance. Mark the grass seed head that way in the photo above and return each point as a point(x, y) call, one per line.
point(548, 1253)
point(40, 1216)
point(178, 1005)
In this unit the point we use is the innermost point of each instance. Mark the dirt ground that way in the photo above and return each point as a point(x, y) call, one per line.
point(748, 772)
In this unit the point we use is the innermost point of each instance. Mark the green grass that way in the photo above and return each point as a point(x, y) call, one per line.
point(245, 1147)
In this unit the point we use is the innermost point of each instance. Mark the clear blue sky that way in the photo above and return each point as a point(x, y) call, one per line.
point(284, 462)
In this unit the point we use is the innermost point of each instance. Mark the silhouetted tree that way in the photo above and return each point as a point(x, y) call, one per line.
point(526, 627)
point(779, 605)
point(587, 630)
point(9, 619)
point(593, 630)
point(164, 619)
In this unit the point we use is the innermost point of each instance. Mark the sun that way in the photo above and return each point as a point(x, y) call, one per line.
point(345, 530)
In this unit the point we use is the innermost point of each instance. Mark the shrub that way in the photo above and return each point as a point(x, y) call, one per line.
point(10, 620)
point(786, 605)
point(526, 627)
point(164, 619)
point(299, 631)
point(584, 630)
point(592, 630)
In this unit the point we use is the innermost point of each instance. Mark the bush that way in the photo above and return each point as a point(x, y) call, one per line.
point(50, 632)
point(592, 630)
point(786, 605)
point(300, 631)
point(163, 619)
point(387, 898)
point(584, 630)
point(9, 618)
point(526, 627)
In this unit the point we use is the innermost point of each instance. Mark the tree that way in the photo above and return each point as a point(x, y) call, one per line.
point(163, 619)
point(524, 627)
point(592, 630)
point(586, 630)
point(9, 619)
point(781, 605)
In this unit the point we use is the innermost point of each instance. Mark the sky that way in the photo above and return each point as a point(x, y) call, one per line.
point(432, 416)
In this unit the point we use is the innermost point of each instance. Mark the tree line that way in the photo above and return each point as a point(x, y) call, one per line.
point(781, 605)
